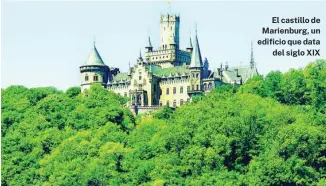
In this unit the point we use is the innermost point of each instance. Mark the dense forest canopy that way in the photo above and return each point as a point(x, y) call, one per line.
point(270, 131)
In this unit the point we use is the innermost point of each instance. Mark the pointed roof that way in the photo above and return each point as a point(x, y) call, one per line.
point(94, 58)
point(149, 43)
point(140, 57)
point(196, 60)
point(252, 60)
point(190, 44)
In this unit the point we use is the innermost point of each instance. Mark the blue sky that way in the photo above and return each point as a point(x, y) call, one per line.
point(44, 43)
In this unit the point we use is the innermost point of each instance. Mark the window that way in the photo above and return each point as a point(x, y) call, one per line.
point(193, 75)
point(139, 77)
point(181, 102)
point(167, 91)
point(86, 77)
point(197, 87)
point(125, 94)
point(188, 88)
point(160, 103)
point(95, 78)
point(210, 86)
point(167, 103)
point(197, 75)
point(175, 103)
point(181, 90)
point(193, 87)
point(174, 90)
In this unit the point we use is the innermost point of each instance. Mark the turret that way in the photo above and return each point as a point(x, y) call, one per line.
point(205, 68)
point(94, 71)
point(149, 47)
point(196, 68)
point(189, 48)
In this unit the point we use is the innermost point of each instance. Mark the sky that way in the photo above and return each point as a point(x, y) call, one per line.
point(44, 43)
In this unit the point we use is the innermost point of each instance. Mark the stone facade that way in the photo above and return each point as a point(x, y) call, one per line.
point(167, 76)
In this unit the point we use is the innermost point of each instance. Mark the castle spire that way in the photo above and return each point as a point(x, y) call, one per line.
point(149, 47)
point(196, 60)
point(190, 43)
point(140, 57)
point(94, 57)
point(252, 60)
point(149, 41)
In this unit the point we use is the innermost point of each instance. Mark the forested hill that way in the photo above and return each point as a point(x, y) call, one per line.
point(270, 131)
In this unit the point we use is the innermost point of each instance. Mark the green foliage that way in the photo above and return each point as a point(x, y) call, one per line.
point(73, 91)
point(164, 113)
point(270, 131)
point(39, 127)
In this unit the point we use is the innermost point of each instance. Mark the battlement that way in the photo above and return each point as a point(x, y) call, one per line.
point(170, 18)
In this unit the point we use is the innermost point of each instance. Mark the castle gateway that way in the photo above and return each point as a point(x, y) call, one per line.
point(168, 76)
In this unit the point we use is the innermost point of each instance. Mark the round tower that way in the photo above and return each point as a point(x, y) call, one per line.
point(94, 71)
point(196, 70)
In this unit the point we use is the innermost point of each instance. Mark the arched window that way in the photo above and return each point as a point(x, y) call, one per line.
point(205, 86)
point(86, 77)
point(95, 78)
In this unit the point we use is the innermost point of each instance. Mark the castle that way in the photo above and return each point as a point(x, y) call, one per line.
point(168, 75)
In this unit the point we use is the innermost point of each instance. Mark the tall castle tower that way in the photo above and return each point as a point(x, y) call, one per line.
point(94, 71)
point(169, 31)
point(196, 70)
